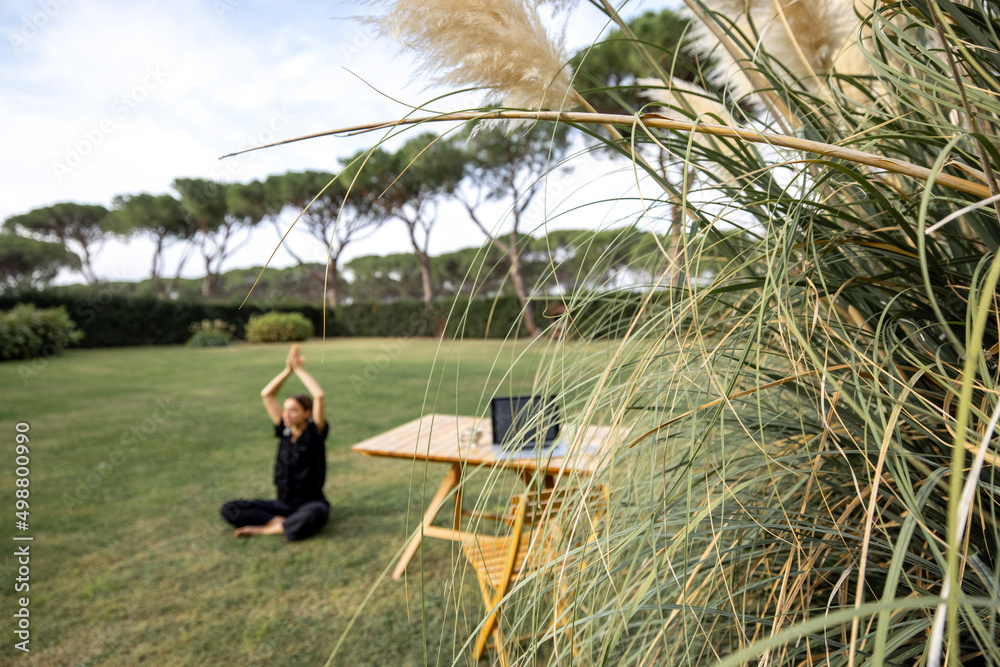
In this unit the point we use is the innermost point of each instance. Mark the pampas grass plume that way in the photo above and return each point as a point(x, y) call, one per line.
point(811, 38)
point(498, 45)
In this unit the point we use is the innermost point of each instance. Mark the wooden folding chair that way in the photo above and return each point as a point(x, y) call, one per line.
point(531, 543)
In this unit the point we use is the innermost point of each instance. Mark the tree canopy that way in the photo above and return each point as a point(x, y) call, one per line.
point(164, 220)
point(219, 211)
point(410, 182)
point(510, 167)
point(78, 227)
point(27, 263)
point(332, 210)
point(607, 71)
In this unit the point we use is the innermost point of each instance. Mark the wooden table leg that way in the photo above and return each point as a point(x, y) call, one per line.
point(457, 522)
point(449, 483)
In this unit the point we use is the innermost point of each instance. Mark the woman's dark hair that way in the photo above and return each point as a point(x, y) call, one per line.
point(305, 401)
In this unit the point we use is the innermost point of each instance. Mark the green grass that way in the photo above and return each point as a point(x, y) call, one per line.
point(130, 561)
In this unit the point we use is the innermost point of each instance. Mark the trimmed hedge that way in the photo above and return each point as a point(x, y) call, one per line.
point(498, 317)
point(605, 315)
point(111, 320)
point(278, 327)
point(460, 317)
point(398, 319)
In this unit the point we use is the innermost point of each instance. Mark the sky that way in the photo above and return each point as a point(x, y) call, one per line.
point(111, 97)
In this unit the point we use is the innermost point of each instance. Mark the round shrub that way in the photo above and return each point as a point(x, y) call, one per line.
point(275, 327)
point(211, 333)
point(27, 331)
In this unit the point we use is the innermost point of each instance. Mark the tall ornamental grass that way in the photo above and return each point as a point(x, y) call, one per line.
point(809, 384)
point(811, 474)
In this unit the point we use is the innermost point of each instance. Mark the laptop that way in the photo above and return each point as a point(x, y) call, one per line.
point(524, 422)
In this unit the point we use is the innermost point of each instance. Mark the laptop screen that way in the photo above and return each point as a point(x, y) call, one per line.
point(528, 421)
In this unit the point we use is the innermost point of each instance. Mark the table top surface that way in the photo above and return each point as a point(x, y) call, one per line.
point(450, 439)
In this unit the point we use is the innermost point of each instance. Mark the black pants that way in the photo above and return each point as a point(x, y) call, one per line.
point(300, 522)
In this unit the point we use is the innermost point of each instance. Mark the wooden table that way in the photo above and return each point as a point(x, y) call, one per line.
point(446, 439)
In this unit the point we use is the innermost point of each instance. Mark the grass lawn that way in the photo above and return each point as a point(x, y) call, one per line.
point(132, 451)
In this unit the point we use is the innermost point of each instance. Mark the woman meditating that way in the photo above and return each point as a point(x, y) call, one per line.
point(300, 469)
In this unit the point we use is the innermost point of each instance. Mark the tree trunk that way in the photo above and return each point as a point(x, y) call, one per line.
point(514, 257)
point(87, 267)
point(422, 259)
point(333, 287)
point(161, 287)
point(175, 283)
point(522, 291)
point(425, 274)
point(210, 285)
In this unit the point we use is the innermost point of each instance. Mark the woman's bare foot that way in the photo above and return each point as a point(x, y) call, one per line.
point(272, 527)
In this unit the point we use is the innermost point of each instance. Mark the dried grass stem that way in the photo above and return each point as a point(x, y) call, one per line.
point(657, 121)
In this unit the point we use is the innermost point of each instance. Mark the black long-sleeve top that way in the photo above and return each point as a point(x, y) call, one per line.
point(300, 467)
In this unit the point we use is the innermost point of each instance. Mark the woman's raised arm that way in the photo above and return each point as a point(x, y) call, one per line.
point(295, 361)
point(269, 394)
